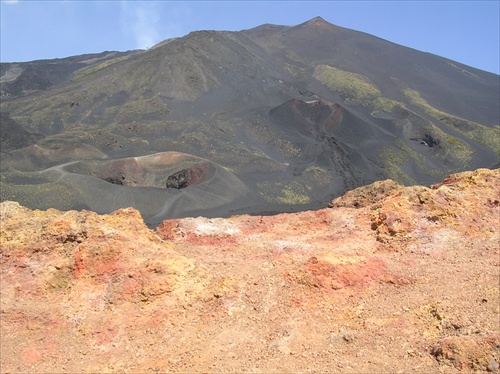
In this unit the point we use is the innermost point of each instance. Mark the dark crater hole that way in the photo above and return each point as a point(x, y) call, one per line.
point(427, 140)
point(188, 177)
point(146, 172)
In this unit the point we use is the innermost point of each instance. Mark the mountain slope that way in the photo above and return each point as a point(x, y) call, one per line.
point(19, 79)
point(298, 114)
point(388, 66)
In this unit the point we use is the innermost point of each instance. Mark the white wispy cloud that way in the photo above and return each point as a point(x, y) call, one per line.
point(10, 1)
point(150, 22)
point(141, 20)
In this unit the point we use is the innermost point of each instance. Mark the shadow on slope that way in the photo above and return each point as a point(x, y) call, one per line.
point(13, 136)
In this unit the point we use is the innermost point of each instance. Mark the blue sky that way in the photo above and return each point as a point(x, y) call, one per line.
point(464, 31)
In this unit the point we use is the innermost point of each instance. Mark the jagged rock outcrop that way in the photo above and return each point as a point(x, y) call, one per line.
point(386, 279)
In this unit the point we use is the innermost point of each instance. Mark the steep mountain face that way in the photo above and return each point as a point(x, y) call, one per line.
point(295, 114)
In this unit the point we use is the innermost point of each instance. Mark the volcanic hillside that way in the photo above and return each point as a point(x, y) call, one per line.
point(271, 119)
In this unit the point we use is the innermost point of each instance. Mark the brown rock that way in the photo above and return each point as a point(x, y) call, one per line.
point(369, 285)
point(465, 352)
point(367, 195)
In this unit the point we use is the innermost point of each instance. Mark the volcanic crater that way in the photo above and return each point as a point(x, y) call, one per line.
point(165, 170)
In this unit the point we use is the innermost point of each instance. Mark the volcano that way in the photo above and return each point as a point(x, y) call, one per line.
point(216, 123)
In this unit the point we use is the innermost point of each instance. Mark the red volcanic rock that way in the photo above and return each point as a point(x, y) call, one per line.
point(340, 272)
point(389, 279)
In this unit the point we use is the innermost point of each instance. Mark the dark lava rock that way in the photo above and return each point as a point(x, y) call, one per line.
point(116, 180)
point(179, 179)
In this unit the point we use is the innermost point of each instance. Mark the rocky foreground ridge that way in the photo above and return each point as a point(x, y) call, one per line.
point(387, 279)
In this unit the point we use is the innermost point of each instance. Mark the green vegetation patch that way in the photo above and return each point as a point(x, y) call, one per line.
point(391, 155)
point(83, 72)
point(352, 86)
point(393, 160)
point(137, 110)
point(421, 161)
point(319, 177)
point(45, 115)
point(356, 88)
point(284, 193)
point(488, 136)
point(287, 148)
point(155, 128)
point(457, 149)
point(41, 196)
point(384, 104)
point(450, 146)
